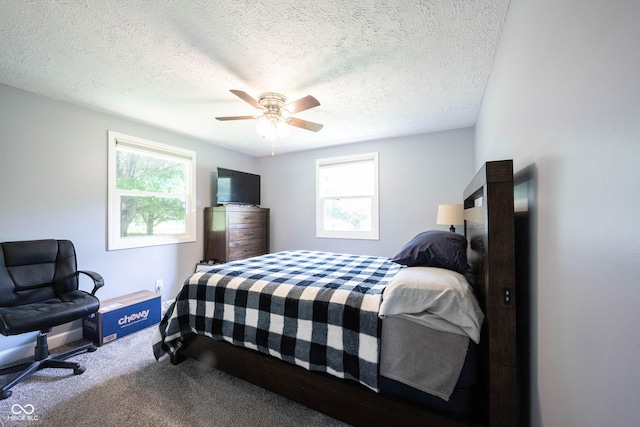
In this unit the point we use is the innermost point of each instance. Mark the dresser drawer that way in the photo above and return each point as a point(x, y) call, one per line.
point(249, 248)
point(247, 218)
point(237, 234)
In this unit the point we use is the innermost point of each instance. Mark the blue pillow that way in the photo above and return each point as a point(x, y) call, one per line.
point(435, 248)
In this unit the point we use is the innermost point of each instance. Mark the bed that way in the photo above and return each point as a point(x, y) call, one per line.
point(337, 333)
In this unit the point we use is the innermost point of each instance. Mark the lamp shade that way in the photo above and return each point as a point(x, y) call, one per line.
point(450, 215)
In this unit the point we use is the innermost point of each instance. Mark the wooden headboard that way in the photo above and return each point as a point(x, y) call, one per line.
point(491, 253)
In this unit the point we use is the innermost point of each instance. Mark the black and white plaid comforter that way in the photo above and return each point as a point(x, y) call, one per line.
point(317, 310)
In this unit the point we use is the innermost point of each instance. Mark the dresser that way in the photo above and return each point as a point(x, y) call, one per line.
point(235, 232)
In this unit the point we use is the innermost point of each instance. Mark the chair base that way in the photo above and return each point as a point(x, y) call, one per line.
point(43, 360)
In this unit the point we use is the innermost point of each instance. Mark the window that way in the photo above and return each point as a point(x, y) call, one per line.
point(151, 193)
point(347, 197)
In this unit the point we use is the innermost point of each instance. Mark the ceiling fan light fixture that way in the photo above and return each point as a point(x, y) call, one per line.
point(284, 129)
point(275, 121)
point(272, 127)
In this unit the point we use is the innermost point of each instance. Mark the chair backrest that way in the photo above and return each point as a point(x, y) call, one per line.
point(36, 270)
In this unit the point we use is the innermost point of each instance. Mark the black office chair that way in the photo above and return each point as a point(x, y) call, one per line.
point(39, 290)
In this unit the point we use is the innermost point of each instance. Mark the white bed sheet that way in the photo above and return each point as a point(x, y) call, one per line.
point(435, 297)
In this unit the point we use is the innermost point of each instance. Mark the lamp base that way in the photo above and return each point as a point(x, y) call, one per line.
point(452, 229)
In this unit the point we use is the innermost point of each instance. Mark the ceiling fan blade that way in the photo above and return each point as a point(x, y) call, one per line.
point(236, 118)
point(302, 104)
point(304, 124)
point(246, 97)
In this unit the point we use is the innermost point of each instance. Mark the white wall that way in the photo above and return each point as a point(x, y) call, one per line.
point(415, 174)
point(564, 103)
point(53, 184)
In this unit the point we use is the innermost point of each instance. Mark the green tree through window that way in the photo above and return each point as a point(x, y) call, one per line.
point(347, 197)
point(146, 174)
point(151, 193)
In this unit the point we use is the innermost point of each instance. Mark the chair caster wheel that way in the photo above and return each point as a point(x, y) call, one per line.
point(5, 394)
point(79, 370)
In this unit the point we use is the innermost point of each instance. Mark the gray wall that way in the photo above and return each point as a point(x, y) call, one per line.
point(415, 175)
point(53, 184)
point(563, 102)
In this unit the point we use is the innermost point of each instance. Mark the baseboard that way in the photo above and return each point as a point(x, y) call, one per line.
point(26, 351)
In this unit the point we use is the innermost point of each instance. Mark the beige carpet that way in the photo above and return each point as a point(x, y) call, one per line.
point(124, 386)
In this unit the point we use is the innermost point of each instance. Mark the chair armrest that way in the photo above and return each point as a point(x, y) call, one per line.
point(98, 281)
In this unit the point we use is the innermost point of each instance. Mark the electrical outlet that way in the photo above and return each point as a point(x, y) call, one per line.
point(159, 286)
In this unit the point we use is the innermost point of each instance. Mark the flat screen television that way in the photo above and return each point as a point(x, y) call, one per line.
point(238, 188)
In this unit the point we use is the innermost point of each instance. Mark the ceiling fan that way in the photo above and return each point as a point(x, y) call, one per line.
point(276, 113)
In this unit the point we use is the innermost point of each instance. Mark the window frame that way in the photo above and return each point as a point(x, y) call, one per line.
point(115, 241)
point(374, 233)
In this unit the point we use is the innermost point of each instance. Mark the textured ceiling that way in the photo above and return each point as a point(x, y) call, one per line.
point(379, 68)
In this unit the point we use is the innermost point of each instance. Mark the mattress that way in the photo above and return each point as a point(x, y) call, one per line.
point(322, 311)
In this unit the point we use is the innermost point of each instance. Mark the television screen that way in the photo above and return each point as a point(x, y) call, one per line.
point(235, 187)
